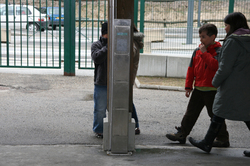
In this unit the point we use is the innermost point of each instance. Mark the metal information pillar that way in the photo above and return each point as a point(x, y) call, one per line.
point(118, 131)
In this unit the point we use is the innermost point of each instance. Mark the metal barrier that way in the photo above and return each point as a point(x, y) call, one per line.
point(171, 16)
point(38, 45)
point(29, 42)
point(90, 15)
point(164, 23)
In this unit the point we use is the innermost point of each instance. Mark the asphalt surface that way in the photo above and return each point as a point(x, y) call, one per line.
point(46, 119)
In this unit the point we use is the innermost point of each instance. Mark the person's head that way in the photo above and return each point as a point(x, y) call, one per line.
point(207, 34)
point(105, 29)
point(234, 21)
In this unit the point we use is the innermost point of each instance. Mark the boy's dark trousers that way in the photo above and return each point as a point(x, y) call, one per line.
point(198, 100)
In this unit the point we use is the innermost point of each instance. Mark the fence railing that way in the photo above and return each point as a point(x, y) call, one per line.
point(92, 14)
point(164, 23)
point(26, 38)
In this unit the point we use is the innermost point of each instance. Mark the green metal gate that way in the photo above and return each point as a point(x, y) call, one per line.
point(27, 39)
point(30, 40)
point(89, 16)
point(165, 22)
point(37, 44)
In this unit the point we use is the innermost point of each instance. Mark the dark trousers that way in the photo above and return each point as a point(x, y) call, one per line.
point(222, 120)
point(198, 100)
point(134, 115)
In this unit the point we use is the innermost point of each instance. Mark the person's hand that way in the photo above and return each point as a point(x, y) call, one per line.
point(104, 41)
point(188, 92)
point(203, 48)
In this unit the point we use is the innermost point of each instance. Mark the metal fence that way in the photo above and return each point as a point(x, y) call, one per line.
point(165, 22)
point(27, 40)
point(89, 17)
point(29, 45)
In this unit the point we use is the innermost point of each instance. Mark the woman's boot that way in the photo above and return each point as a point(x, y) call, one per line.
point(247, 153)
point(207, 143)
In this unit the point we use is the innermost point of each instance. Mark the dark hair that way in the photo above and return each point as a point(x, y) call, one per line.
point(211, 29)
point(236, 20)
point(105, 28)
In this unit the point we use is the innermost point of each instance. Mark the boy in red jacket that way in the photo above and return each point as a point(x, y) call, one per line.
point(201, 71)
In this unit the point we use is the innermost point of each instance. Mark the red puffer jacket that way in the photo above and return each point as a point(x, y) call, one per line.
point(202, 67)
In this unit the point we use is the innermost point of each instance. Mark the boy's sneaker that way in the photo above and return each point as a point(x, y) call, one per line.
point(221, 144)
point(99, 135)
point(137, 131)
point(179, 136)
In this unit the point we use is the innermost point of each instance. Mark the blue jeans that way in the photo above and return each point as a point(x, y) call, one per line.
point(100, 107)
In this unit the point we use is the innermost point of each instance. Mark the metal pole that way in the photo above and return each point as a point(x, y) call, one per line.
point(189, 39)
point(111, 15)
point(135, 12)
point(118, 131)
point(142, 10)
point(125, 10)
point(7, 30)
point(231, 6)
point(69, 38)
point(199, 14)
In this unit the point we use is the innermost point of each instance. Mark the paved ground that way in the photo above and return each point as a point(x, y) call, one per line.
point(46, 119)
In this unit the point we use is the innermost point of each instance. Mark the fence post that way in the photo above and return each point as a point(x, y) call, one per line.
point(199, 14)
point(190, 22)
point(69, 38)
point(231, 6)
point(7, 31)
point(135, 12)
point(142, 10)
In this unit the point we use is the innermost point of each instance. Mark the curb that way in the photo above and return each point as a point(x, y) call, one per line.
point(158, 87)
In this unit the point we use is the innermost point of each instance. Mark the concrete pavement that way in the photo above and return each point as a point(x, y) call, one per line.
point(46, 119)
point(92, 155)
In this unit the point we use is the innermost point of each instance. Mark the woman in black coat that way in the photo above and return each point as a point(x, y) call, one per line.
point(232, 100)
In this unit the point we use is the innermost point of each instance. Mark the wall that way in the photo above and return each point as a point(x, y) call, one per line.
point(163, 65)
